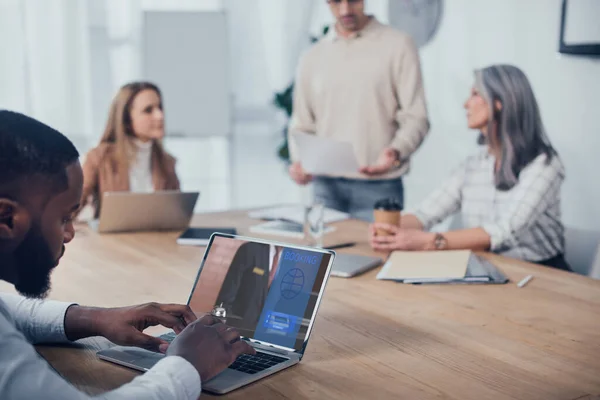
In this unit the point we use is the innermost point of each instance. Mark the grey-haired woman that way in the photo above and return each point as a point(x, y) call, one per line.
point(507, 194)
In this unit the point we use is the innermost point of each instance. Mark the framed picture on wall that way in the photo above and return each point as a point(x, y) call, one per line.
point(579, 27)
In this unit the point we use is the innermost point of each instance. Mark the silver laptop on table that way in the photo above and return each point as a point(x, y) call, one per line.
point(351, 265)
point(268, 291)
point(134, 212)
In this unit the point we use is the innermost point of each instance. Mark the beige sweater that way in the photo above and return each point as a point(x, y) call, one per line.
point(366, 90)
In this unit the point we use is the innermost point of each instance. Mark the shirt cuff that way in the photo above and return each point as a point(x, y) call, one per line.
point(182, 373)
point(426, 222)
point(50, 321)
point(405, 146)
point(61, 310)
point(498, 239)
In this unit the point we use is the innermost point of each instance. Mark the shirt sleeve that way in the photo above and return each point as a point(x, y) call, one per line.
point(413, 123)
point(40, 321)
point(538, 188)
point(24, 375)
point(443, 202)
point(303, 117)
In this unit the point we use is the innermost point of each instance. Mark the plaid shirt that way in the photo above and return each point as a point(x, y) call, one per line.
point(523, 222)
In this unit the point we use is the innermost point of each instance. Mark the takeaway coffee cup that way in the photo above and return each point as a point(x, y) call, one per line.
point(387, 211)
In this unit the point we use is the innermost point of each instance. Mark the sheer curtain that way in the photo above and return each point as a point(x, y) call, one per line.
point(44, 62)
point(61, 61)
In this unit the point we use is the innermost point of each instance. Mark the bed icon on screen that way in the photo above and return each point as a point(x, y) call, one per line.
point(279, 323)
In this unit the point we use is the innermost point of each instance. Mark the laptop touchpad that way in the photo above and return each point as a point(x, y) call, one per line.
point(133, 356)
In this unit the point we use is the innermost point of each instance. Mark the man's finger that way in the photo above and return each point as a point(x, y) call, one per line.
point(231, 335)
point(139, 339)
point(242, 347)
point(209, 320)
point(166, 319)
point(181, 311)
point(376, 169)
point(220, 327)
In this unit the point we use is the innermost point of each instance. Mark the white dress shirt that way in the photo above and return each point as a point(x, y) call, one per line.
point(272, 253)
point(140, 170)
point(24, 375)
point(523, 222)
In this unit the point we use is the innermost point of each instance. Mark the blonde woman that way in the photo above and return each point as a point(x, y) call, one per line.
point(130, 156)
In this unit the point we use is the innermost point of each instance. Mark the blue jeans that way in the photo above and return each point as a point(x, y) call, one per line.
point(354, 196)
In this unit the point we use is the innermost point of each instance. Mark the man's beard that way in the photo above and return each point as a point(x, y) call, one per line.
point(34, 262)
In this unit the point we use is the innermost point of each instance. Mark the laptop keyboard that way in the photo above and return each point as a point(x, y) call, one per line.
point(244, 363)
point(253, 364)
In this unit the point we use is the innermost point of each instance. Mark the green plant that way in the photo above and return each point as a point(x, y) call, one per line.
point(284, 101)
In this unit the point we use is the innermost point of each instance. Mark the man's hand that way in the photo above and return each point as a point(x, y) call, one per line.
point(388, 159)
point(298, 174)
point(209, 346)
point(124, 326)
point(399, 239)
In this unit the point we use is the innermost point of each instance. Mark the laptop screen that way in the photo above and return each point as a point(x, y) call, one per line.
point(267, 292)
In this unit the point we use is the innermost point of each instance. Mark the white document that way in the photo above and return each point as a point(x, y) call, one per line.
point(295, 214)
point(324, 156)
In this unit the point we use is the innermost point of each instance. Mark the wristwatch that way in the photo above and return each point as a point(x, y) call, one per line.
point(440, 242)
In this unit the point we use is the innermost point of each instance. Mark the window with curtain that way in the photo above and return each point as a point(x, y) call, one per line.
point(61, 61)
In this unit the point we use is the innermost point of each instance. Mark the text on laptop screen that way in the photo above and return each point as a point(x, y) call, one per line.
point(267, 292)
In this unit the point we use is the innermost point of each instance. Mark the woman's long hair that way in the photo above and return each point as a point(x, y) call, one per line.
point(517, 126)
point(119, 129)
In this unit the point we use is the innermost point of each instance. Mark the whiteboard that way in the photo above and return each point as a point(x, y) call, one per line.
point(186, 53)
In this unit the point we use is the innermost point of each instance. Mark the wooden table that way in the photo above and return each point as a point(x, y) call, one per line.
point(372, 339)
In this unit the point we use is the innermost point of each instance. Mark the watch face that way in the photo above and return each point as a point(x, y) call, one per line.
point(440, 242)
point(419, 18)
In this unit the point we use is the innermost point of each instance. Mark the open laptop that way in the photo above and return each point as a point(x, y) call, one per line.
point(156, 211)
point(268, 291)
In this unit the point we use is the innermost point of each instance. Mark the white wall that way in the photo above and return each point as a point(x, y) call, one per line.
point(476, 33)
point(267, 38)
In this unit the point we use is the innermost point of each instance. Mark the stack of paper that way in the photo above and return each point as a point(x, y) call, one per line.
point(295, 214)
point(425, 265)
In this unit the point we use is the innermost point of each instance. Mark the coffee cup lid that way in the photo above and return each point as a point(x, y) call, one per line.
point(389, 204)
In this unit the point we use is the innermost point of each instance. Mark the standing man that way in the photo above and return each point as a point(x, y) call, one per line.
point(361, 84)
